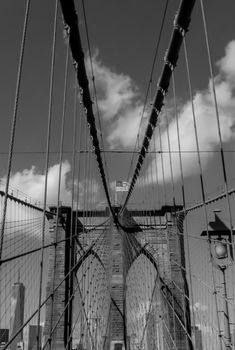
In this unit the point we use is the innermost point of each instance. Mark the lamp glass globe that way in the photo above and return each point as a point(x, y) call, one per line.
point(221, 250)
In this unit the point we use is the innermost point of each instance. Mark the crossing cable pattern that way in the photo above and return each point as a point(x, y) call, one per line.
point(90, 292)
point(158, 240)
point(181, 24)
point(143, 296)
point(71, 20)
point(14, 119)
point(18, 253)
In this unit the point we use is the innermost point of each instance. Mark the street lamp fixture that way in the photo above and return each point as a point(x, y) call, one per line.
point(221, 250)
point(220, 243)
point(220, 239)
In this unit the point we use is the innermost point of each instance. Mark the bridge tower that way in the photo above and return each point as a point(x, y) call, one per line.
point(60, 257)
point(126, 240)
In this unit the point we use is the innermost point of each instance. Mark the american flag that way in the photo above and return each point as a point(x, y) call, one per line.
point(122, 186)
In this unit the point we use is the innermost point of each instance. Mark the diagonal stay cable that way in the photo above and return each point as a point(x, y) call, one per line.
point(71, 20)
point(14, 120)
point(181, 24)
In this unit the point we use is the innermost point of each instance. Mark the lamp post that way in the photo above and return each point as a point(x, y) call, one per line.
point(222, 258)
point(221, 253)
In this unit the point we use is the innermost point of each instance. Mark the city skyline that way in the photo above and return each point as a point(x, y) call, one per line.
point(17, 312)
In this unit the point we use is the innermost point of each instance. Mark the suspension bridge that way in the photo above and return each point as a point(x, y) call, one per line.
point(120, 241)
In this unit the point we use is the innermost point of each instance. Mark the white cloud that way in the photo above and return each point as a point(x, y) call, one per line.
point(200, 307)
point(205, 121)
point(31, 182)
point(121, 109)
point(206, 329)
point(116, 92)
point(90, 192)
point(119, 104)
point(125, 129)
point(28, 185)
point(226, 64)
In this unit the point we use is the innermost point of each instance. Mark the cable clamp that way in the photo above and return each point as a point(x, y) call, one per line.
point(152, 126)
point(170, 65)
point(67, 29)
point(148, 138)
point(162, 90)
point(75, 64)
point(156, 110)
point(177, 26)
point(180, 29)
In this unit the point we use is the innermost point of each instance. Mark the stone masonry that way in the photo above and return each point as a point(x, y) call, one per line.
point(166, 245)
point(59, 296)
point(117, 326)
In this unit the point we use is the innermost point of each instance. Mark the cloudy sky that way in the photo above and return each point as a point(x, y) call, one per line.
point(123, 38)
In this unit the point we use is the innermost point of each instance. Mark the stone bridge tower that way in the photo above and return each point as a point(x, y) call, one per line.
point(166, 235)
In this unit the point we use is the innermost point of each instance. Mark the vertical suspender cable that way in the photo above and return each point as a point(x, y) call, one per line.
point(94, 87)
point(88, 191)
point(73, 232)
point(71, 20)
point(170, 159)
point(203, 198)
point(58, 189)
point(162, 164)
point(14, 119)
point(174, 203)
point(158, 195)
point(62, 135)
point(81, 121)
point(149, 87)
point(46, 169)
point(156, 280)
point(178, 138)
point(218, 128)
point(188, 335)
point(165, 202)
point(83, 324)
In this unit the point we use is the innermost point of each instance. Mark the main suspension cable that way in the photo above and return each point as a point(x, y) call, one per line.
point(181, 24)
point(71, 20)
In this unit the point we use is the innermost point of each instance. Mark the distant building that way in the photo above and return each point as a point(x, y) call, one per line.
point(118, 346)
point(80, 346)
point(198, 338)
point(32, 337)
point(17, 314)
point(20, 345)
point(233, 336)
point(4, 337)
point(151, 331)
